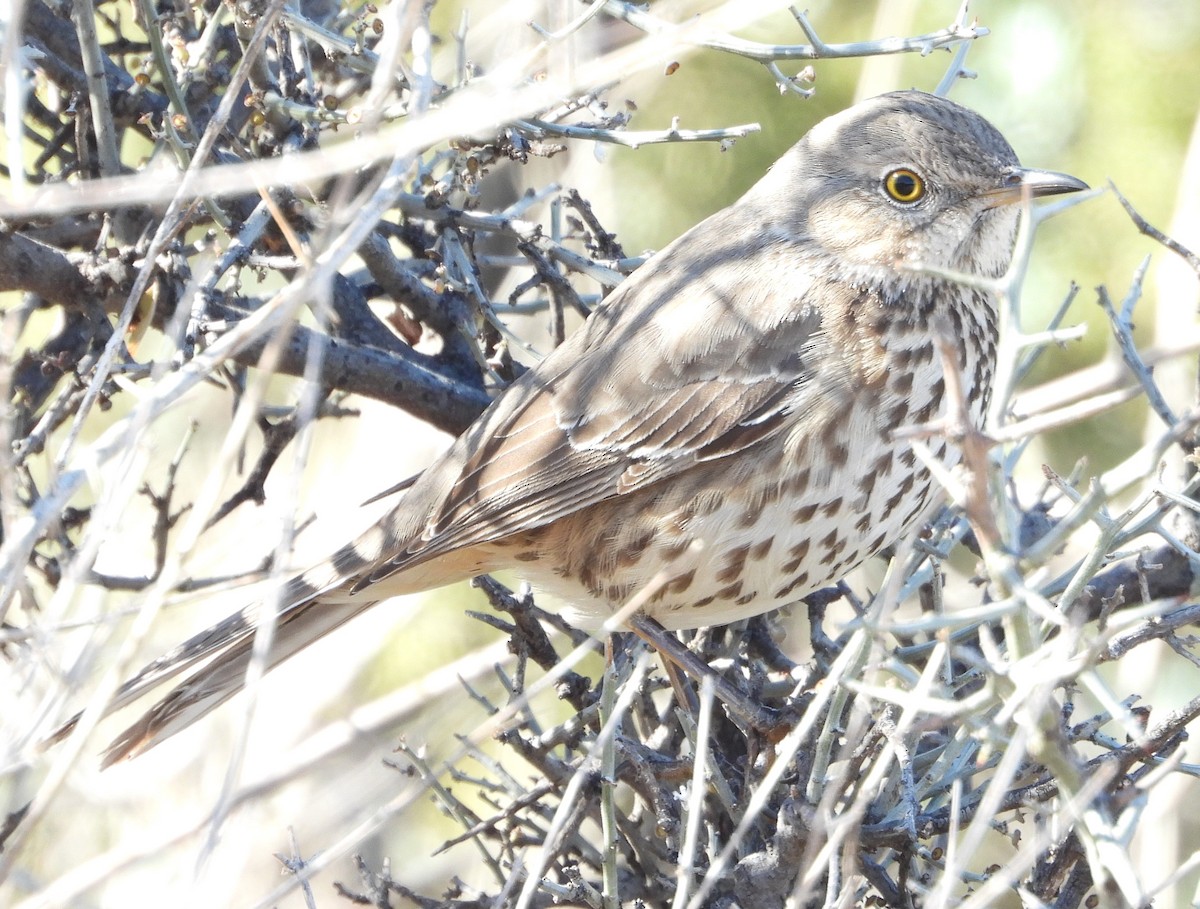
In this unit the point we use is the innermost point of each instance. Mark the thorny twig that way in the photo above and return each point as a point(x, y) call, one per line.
point(919, 722)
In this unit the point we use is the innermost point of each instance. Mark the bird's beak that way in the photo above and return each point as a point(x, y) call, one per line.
point(1020, 183)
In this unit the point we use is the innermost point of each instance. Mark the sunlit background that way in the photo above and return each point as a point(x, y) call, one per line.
point(1105, 90)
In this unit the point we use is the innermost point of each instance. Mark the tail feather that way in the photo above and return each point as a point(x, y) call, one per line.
point(317, 602)
point(216, 682)
point(210, 647)
point(313, 604)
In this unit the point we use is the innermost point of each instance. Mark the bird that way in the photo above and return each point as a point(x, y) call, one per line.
point(726, 426)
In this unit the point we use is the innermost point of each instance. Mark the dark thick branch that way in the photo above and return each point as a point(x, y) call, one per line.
point(408, 379)
point(399, 376)
point(1165, 573)
point(28, 265)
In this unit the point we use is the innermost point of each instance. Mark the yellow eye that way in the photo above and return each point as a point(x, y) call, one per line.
point(904, 186)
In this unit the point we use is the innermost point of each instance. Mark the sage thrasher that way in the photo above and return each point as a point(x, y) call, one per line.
point(724, 424)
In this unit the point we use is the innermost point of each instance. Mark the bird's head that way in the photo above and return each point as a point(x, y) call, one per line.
point(910, 179)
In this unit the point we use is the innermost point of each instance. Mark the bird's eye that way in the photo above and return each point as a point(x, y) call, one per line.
point(904, 186)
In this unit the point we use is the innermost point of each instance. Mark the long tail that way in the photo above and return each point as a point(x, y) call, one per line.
point(313, 604)
point(230, 644)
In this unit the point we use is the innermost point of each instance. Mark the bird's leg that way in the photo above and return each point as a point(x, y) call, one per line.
point(676, 657)
point(685, 694)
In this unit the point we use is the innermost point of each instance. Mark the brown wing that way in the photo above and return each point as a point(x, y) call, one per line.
point(695, 358)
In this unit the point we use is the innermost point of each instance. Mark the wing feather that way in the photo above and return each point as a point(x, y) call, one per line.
point(654, 384)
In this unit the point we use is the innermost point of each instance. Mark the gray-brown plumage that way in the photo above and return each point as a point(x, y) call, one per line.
point(726, 415)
